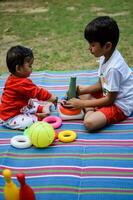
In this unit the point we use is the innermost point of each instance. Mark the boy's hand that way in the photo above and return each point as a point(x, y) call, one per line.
point(77, 91)
point(54, 100)
point(75, 103)
point(65, 104)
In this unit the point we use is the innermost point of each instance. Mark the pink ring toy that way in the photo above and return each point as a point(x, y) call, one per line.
point(53, 120)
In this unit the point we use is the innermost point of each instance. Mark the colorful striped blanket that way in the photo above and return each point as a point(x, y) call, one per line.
point(96, 166)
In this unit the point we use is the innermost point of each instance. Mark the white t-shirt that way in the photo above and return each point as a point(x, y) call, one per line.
point(116, 76)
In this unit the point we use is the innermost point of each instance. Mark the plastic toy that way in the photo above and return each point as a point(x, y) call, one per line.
point(53, 121)
point(26, 192)
point(75, 114)
point(56, 136)
point(41, 134)
point(72, 88)
point(11, 191)
point(20, 141)
point(67, 136)
point(67, 113)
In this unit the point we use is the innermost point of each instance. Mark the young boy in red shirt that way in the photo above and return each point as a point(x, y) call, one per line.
point(18, 110)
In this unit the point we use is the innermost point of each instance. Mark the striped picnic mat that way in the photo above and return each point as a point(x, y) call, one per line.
point(96, 166)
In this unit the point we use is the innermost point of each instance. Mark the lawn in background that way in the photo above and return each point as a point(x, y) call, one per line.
point(54, 29)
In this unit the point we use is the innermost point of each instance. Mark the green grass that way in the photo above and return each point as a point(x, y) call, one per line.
point(54, 30)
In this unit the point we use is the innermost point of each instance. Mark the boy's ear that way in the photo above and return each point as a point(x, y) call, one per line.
point(108, 45)
point(17, 68)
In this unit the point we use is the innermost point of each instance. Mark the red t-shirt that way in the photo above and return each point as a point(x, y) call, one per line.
point(17, 93)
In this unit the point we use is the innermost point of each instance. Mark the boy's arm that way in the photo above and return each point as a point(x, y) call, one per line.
point(31, 90)
point(90, 89)
point(104, 101)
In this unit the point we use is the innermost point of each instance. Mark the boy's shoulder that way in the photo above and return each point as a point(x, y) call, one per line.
point(14, 80)
point(117, 61)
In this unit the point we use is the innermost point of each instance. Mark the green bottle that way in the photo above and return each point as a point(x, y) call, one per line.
point(71, 93)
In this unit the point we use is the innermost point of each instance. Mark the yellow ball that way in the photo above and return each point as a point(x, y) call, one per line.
point(41, 134)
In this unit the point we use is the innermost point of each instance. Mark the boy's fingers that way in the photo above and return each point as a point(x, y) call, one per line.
point(77, 91)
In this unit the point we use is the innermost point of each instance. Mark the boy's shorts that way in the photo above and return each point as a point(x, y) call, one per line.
point(112, 113)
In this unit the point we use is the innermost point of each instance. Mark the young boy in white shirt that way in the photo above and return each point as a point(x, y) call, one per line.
point(110, 100)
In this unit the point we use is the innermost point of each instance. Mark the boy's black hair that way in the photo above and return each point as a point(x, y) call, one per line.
point(102, 29)
point(16, 56)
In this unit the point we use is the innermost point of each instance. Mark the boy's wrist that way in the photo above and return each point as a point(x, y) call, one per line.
point(55, 102)
point(52, 98)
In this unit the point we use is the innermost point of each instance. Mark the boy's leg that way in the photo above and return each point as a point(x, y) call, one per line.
point(95, 120)
point(21, 121)
point(87, 97)
point(102, 116)
point(44, 111)
point(41, 109)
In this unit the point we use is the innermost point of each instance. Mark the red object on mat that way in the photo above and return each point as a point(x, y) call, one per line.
point(68, 111)
point(26, 192)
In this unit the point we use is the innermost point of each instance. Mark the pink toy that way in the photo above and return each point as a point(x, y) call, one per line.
point(26, 191)
point(53, 121)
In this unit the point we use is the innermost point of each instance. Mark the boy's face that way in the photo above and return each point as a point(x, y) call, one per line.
point(96, 49)
point(25, 70)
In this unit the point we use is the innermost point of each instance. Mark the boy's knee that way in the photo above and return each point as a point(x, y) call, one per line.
point(89, 124)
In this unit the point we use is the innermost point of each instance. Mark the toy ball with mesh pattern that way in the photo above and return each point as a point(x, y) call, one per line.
point(41, 134)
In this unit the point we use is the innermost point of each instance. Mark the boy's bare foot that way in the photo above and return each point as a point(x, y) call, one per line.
point(41, 115)
point(45, 111)
point(47, 107)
